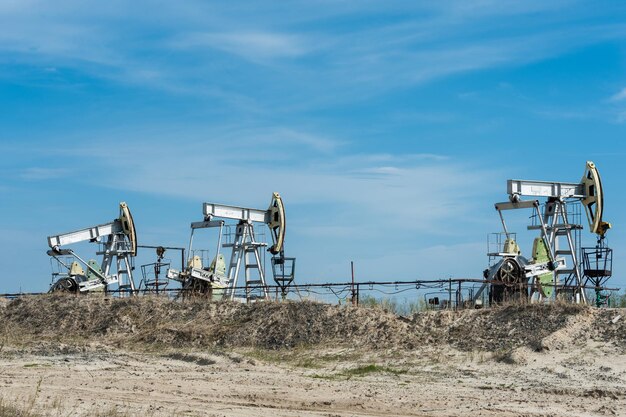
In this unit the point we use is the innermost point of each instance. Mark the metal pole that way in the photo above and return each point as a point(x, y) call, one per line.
point(354, 301)
point(219, 244)
point(506, 231)
point(190, 243)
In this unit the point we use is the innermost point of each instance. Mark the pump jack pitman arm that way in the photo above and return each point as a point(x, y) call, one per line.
point(274, 217)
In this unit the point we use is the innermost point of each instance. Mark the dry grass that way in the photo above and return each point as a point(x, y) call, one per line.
point(74, 324)
point(10, 410)
point(360, 371)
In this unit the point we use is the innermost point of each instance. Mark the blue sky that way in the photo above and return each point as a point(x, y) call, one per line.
point(389, 129)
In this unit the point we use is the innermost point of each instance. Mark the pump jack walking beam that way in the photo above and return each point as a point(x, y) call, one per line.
point(274, 217)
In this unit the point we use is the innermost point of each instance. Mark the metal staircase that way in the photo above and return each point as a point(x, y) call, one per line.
point(246, 249)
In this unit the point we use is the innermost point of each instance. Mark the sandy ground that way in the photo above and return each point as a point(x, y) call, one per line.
point(153, 357)
point(589, 381)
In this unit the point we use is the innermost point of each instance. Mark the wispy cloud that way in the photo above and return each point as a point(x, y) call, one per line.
point(569, 114)
point(42, 173)
point(426, 262)
point(408, 158)
point(175, 48)
point(286, 138)
point(255, 46)
point(340, 106)
point(414, 192)
point(619, 96)
point(618, 102)
point(243, 166)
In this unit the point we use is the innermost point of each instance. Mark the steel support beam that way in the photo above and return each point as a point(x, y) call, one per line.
point(545, 189)
point(89, 233)
point(211, 210)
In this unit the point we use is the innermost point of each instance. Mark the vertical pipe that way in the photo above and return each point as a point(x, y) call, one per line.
point(219, 244)
point(190, 244)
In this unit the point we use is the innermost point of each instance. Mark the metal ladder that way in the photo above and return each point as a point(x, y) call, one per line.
point(117, 247)
point(556, 226)
point(247, 249)
point(124, 275)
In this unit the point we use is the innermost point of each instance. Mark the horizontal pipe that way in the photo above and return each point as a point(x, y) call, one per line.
point(362, 283)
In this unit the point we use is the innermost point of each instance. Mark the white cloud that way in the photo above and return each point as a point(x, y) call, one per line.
point(568, 114)
point(251, 45)
point(488, 8)
point(40, 173)
point(169, 48)
point(287, 138)
point(364, 206)
point(620, 96)
point(403, 158)
point(362, 202)
point(467, 260)
point(418, 192)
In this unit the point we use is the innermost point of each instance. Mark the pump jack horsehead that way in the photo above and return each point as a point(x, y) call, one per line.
point(218, 280)
point(119, 247)
point(547, 273)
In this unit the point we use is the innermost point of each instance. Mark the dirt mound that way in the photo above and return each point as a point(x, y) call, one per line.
point(268, 325)
point(201, 323)
point(498, 328)
point(610, 326)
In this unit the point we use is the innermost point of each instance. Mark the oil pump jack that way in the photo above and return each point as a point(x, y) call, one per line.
point(559, 266)
point(221, 280)
point(119, 247)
